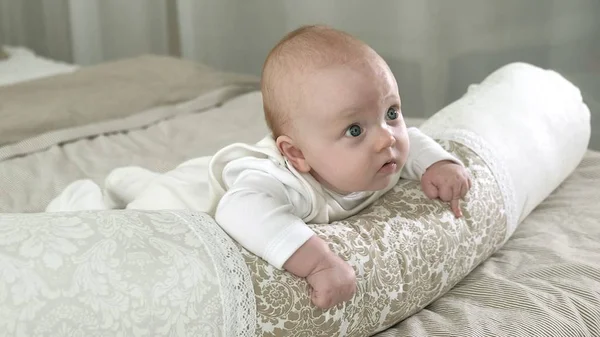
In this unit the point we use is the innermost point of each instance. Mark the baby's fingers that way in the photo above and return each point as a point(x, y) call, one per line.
point(332, 297)
point(464, 189)
point(430, 190)
point(322, 300)
point(446, 193)
point(457, 194)
point(455, 205)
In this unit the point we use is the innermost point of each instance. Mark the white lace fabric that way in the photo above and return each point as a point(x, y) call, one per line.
point(238, 303)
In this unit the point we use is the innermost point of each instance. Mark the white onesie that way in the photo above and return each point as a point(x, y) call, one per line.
point(254, 195)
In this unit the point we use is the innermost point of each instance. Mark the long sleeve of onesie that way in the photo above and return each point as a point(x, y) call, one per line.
point(424, 151)
point(262, 213)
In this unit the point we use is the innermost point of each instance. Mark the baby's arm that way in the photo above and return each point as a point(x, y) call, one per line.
point(332, 279)
point(441, 174)
point(424, 152)
point(258, 212)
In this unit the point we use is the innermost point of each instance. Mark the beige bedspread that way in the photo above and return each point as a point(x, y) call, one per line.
point(104, 92)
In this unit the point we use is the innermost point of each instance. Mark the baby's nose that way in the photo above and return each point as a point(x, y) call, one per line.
point(386, 139)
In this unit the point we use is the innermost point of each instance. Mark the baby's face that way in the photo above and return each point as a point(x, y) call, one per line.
point(351, 131)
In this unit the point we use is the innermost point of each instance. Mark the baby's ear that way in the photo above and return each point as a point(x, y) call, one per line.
point(293, 154)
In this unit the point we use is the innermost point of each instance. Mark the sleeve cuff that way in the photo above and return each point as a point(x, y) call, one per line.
point(434, 155)
point(286, 244)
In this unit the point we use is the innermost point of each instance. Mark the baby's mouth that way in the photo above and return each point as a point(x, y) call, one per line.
point(389, 166)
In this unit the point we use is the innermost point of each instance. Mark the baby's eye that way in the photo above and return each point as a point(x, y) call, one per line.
point(392, 114)
point(354, 131)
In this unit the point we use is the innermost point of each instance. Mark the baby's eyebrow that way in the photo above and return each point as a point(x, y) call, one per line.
point(391, 96)
point(351, 112)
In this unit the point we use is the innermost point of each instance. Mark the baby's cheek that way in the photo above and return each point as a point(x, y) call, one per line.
point(353, 166)
point(404, 148)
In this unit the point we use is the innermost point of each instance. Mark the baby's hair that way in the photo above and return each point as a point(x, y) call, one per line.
point(304, 49)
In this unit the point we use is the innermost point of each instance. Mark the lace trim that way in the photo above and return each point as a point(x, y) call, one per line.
point(237, 292)
point(488, 155)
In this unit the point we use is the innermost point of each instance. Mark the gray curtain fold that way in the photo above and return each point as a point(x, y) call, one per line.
point(435, 48)
point(91, 31)
point(40, 25)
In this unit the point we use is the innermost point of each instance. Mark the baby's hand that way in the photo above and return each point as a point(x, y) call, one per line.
point(448, 181)
point(333, 281)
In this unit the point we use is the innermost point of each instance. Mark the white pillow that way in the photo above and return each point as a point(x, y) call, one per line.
point(23, 64)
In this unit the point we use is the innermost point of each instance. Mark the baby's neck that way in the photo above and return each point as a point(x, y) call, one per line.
point(334, 191)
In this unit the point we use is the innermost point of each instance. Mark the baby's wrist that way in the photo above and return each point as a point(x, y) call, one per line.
point(311, 256)
point(441, 162)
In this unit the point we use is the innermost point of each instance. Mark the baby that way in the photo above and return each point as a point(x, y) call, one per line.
point(338, 143)
point(334, 110)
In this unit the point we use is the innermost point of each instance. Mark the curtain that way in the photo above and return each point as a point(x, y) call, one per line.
point(435, 48)
point(38, 24)
point(112, 29)
point(87, 32)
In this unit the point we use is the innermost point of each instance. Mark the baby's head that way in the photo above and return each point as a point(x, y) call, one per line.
point(333, 106)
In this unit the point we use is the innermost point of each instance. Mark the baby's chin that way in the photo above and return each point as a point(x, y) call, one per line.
point(381, 184)
point(378, 184)
point(374, 187)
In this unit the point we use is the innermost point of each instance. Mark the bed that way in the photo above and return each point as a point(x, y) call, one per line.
point(157, 112)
